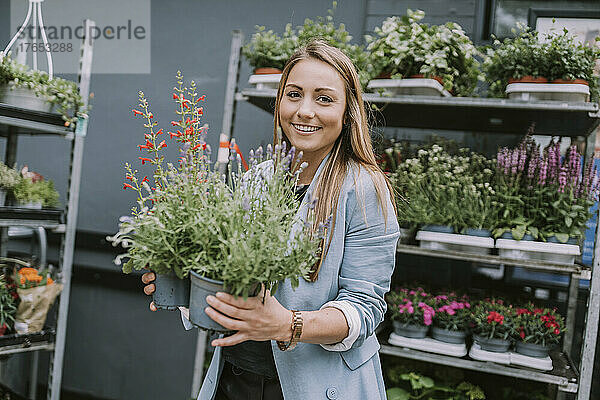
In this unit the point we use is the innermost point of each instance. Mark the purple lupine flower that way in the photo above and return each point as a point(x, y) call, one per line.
point(283, 148)
point(532, 166)
point(506, 161)
point(562, 179)
point(514, 162)
point(292, 153)
point(552, 162)
point(543, 171)
point(522, 157)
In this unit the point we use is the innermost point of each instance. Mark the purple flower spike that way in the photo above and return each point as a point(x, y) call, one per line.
point(259, 153)
point(532, 167)
point(562, 179)
point(543, 171)
point(514, 162)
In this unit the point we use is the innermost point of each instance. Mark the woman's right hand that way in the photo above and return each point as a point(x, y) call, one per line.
point(148, 278)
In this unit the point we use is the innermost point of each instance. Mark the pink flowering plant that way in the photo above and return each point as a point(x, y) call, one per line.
point(452, 312)
point(492, 319)
point(411, 306)
point(543, 194)
point(542, 326)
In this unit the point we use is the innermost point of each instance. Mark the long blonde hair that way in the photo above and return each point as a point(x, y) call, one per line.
point(354, 143)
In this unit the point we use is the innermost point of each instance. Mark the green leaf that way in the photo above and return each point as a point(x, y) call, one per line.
point(568, 221)
point(397, 394)
point(426, 382)
point(534, 231)
point(562, 237)
point(518, 232)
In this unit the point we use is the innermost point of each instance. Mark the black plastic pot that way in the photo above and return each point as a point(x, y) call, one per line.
point(171, 292)
point(438, 228)
point(532, 349)
point(410, 330)
point(478, 232)
point(553, 239)
point(508, 235)
point(448, 336)
point(493, 345)
point(200, 288)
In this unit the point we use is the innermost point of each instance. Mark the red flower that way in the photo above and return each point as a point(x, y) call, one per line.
point(145, 179)
point(160, 132)
point(178, 134)
point(557, 331)
point(150, 115)
point(127, 185)
point(136, 112)
point(175, 96)
point(175, 123)
point(201, 98)
point(538, 311)
point(522, 333)
point(144, 160)
point(162, 144)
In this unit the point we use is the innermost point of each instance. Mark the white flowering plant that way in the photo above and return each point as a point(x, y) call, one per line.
point(244, 230)
point(444, 189)
point(403, 47)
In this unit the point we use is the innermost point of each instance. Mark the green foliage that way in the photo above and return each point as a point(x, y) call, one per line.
point(28, 191)
point(439, 189)
point(9, 177)
point(403, 46)
point(267, 49)
point(413, 385)
point(61, 93)
point(8, 306)
point(242, 231)
point(552, 56)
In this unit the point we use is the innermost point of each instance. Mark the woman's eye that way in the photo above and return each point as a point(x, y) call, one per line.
point(325, 99)
point(293, 94)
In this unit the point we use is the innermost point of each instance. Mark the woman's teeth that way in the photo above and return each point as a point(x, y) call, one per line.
point(305, 128)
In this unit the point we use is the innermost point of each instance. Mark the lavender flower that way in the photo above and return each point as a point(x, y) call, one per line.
point(562, 179)
point(532, 167)
point(259, 153)
point(246, 203)
point(269, 150)
point(522, 158)
point(543, 171)
point(514, 161)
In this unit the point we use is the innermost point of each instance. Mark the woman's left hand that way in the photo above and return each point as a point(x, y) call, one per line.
point(251, 318)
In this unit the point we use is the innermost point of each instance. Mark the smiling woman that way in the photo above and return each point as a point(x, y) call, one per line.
point(317, 341)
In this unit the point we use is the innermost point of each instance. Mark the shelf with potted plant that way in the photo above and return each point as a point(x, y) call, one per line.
point(35, 103)
point(35, 197)
point(534, 66)
point(409, 57)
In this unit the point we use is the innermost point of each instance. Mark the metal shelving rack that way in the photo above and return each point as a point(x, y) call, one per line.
point(13, 123)
point(494, 117)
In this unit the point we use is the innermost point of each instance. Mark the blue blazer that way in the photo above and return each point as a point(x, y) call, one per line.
point(357, 269)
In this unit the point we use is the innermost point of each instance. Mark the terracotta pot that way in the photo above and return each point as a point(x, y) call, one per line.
point(572, 81)
point(421, 76)
point(266, 70)
point(528, 79)
point(384, 75)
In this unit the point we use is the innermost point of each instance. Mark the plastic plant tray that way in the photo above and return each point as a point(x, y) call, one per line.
point(14, 339)
point(265, 81)
point(527, 250)
point(572, 92)
point(412, 86)
point(429, 345)
point(455, 242)
point(511, 358)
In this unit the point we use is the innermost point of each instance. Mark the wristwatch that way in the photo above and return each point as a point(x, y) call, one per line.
point(297, 324)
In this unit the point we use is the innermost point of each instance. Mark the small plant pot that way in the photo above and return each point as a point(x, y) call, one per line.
point(421, 76)
point(529, 79)
point(448, 336)
point(266, 70)
point(508, 235)
point(171, 292)
point(494, 345)
point(532, 349)
point(438, 228)
point(23, 98)
point(553, 239)
point(572, 81)
point(478, 232)
point(200, 288)
point(410, 330)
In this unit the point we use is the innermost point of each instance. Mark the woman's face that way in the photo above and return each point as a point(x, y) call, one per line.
point(311, 111)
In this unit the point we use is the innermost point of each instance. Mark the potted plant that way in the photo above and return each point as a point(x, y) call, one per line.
point(546, 196)
point(30, 89)
point(451, 320)
point(8, 307)
point(404, 47)
point(9, 178)
point(192, 222)
point(537, 330)
point(535, 66)
point(33, 191)
point(491, 324)
point(411, 312)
